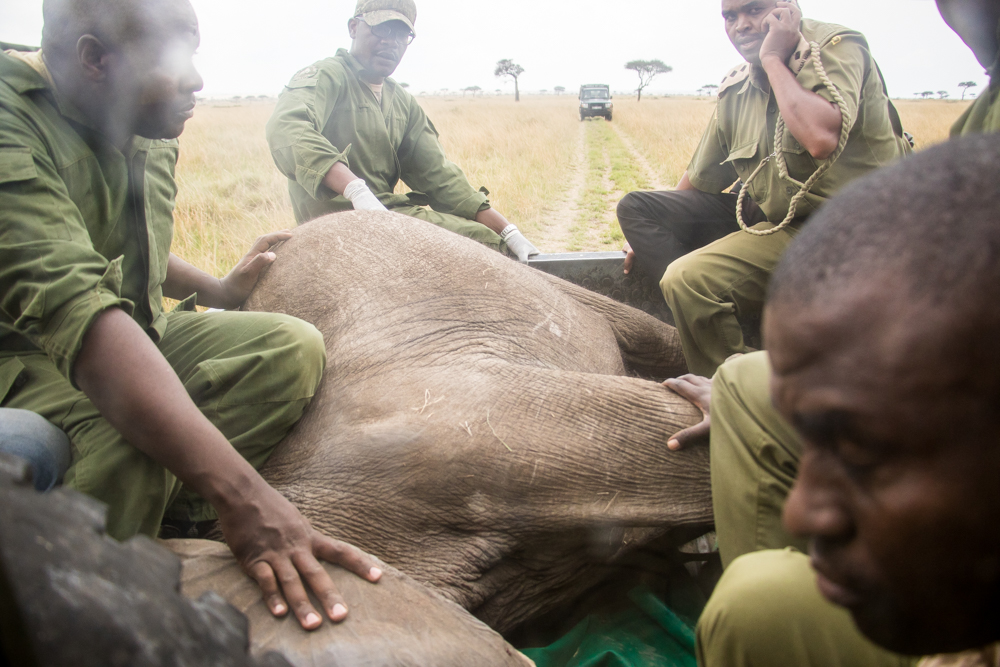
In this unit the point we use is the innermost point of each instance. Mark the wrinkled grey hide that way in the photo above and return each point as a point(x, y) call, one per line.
point(395, 623)
point(478, 426)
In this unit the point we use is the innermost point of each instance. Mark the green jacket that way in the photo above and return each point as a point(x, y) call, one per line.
point(83, 225)
point(327, 115)
point(741, 133)
point(984, 114)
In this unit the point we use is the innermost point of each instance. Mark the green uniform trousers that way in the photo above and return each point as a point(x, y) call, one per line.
point(766, 610)
point(461, 226)
point(709, 289)
point(251, 374)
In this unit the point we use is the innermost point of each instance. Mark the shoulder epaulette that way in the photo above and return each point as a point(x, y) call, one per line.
point(736, 75)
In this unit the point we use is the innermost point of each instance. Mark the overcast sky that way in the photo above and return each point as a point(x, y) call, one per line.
point(252, 47)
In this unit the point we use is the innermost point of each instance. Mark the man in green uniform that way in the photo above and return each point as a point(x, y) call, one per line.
point(712, 286)
point(978, 24)
point(149, 400)
point(344, 130)
point(767, 603)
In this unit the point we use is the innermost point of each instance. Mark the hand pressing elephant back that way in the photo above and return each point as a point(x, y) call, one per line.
point(397, 623)
point(480, 425)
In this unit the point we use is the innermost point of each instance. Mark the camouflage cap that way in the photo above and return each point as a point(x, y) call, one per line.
point(374, 12)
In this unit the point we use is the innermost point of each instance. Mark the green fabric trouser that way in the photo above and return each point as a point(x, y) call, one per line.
point(251, 374)
point(766, 610)
point(708, 289)
point(467, 228)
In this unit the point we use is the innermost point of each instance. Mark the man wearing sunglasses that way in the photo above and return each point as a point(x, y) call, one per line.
point(345, 134)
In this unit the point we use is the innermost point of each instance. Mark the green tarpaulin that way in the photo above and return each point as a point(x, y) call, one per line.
point(646, 634)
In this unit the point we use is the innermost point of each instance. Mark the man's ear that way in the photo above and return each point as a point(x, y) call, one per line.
point(93, 57)
point(352, 27)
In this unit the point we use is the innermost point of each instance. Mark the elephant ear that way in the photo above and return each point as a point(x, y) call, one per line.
point(650, 348)
point(394, 623)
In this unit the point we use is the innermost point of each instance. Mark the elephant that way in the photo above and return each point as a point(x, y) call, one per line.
point(495, 433)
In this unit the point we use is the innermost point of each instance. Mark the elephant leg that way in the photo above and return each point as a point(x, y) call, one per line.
point(650, 348)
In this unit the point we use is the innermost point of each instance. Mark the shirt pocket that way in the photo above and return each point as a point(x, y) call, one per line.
point(16, 165)
point(12, 376)
point(745, 159)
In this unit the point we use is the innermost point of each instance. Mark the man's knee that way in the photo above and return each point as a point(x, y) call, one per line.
point(629, 208)
point(754, 607)
point(767, 610)
point(677, 283)
point(303, 348)
point(33, 438)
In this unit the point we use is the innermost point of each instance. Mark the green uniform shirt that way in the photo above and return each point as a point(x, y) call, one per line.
point(741, 133)
point(326, 115)
point(984, 114)
point(83, 225)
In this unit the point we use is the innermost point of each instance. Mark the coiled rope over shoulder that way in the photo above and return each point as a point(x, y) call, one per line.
point(779, 155)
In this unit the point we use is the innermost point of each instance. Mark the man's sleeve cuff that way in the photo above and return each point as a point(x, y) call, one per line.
point(310, 176)
point(470, 206)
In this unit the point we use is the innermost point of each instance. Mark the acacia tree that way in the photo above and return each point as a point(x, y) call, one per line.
point(926, 94)
point(965, 85)
point(942, 94)
point(559, 90)
point(647, 70)
point(708, 89)
point(508, 67)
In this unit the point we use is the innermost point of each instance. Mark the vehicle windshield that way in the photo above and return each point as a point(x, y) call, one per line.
point(595, 94)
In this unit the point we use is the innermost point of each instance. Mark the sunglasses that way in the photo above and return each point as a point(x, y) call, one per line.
point(399, 32)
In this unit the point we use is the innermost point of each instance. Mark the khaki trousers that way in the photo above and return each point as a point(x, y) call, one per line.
point(766, 610)
point(251, 374)
point(708, 290)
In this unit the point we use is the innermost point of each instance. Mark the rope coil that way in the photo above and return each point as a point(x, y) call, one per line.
point(779, 155)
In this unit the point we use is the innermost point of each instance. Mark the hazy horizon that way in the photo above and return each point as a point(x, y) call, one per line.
point(249, 49)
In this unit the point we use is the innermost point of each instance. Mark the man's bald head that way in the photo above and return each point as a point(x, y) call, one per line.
point(931, 225)
point(127, 64)
point(117, 23)
point(883, 328)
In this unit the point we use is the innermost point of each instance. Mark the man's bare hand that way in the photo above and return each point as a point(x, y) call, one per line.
point(698, 390)
point(782, 32)
point(239, 282)
point(629, 257)
point(281, 550)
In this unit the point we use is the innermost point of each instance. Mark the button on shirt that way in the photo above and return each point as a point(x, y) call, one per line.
point(741, 132)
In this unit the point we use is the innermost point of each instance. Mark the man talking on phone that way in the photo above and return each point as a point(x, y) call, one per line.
point(817, 82)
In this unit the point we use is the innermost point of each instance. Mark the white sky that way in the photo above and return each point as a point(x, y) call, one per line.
point(252, 47)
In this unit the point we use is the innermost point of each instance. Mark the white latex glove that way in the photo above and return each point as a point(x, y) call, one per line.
point(518, 244)
point(362, 198)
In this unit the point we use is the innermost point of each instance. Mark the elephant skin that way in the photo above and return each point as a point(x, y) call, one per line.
point(480, 426)
point(395, 623)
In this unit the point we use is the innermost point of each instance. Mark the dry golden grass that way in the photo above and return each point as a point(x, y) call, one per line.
point(520, 151)
point(665, 130)
point(230, 191)
point(929, 120)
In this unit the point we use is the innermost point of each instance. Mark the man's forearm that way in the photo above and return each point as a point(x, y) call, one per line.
point(183, 280)
point(130, 382)
point(492, 219)
point(813, 121)
point(338, 177)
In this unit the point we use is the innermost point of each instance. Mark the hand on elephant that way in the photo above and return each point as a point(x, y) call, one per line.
point(698, 390)
point(239, 282)
point(279, 548)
